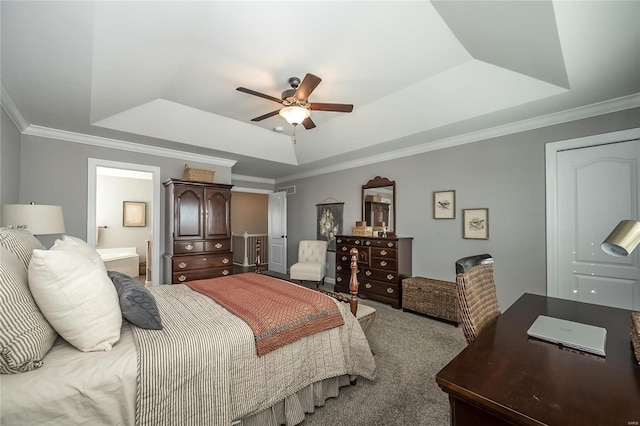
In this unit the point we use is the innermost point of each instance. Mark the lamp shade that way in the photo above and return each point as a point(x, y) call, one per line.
point(39, 219)
point(623, 239)
point(294, 114)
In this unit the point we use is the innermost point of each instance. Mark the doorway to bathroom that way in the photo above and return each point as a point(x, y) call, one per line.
point(123, 217)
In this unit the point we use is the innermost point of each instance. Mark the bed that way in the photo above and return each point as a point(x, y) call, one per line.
point(202, 367)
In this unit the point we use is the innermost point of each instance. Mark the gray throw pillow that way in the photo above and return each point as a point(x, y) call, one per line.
point(136, 302)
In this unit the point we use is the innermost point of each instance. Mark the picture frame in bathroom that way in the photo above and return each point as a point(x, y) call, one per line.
point(134, 213)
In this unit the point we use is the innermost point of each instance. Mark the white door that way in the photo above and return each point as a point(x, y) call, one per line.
point(597, 187)
point(278, 232)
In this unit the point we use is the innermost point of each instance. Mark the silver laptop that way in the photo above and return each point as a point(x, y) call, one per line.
point(583, 337)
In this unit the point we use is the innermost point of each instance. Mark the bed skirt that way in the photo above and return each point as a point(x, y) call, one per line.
point(291, 410)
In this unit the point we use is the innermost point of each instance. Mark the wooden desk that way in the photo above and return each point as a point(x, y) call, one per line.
point(504, 377)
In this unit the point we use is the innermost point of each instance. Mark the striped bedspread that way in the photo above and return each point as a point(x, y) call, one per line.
point(202, 368)
point(277, 311)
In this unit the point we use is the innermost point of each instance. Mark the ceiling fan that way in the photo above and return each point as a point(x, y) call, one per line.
point(296, 106)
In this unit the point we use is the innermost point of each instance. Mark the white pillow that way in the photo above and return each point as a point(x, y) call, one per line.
point(77, 298)
point(79, 246)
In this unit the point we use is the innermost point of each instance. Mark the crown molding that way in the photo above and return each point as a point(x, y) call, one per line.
point(593, 110)
point(46, 132)
point(11, 108)
point(251, 190)
point(600, 108)
point(254, 179)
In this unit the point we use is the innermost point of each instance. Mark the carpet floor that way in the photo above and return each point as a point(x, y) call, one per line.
point(409, 350)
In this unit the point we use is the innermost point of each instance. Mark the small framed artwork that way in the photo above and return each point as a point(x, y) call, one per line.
point(444, 204)
point(476, 224)
point(134, 213)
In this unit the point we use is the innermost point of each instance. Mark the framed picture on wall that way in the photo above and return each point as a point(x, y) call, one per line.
point(134, 213)
point(444, 204)
point(476, 224)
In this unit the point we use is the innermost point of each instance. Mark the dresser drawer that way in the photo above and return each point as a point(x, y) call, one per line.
point(388, 276)
point(379, 288)
point(217, 245)
point(386, 264)
point(389, 253)
point(187, 247)
point(200, 274)
point(186, 263)
point(367, 242)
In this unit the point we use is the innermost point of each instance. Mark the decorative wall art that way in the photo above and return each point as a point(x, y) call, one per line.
point(476, 224)
point(444, 204)
point(329, 223)
point(134, 213)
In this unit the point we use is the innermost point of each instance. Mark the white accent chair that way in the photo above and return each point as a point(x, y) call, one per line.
point(312, 262)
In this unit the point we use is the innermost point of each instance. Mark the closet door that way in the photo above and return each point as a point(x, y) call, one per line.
point(597, 187)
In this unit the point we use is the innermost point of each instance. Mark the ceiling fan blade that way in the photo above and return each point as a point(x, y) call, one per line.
point(331, 107)
point(270, 114)
point(262, 95)
point(308, 123)
point(307, 86)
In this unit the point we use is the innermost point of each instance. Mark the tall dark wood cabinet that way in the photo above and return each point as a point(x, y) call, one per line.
point(198, 230)
point(382, 265)
point(376, 213)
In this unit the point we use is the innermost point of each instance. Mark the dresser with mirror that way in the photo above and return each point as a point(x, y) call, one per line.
point(383, 262)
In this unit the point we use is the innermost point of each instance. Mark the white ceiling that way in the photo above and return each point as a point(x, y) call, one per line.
point(164, 73)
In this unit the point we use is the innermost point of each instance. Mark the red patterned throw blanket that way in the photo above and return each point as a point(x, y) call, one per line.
point(277, 311)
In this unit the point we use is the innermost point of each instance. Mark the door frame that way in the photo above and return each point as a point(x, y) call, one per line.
point(93, 164)
point(551, 161)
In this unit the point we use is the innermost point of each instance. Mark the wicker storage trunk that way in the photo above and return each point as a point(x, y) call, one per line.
point(431, 297)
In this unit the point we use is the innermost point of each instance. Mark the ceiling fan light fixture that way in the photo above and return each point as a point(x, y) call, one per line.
point(294, 114)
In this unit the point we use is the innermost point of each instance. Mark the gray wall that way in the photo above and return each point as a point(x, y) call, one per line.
point(505, 175)
point(9, 160)
point(55, 172)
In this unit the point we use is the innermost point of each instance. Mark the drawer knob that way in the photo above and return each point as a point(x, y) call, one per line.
point(367, 285)
point(368, 243)
point(367, 273)
point(390, 244)
point(218, 245)
point(339, 267)
point(182, 265)
point(181, 278)
point(339, 279)
point(225, 260)
point(389, 290)
point(225, 272)
point(344, 258)
point(389, 277)
point(188, 247)
point(383, 253)
point(344, 249)
point(383, 263)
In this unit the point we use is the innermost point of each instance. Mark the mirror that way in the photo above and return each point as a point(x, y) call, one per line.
point(379, 204)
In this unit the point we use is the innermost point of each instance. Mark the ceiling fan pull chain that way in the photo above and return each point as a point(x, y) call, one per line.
point(293, 135)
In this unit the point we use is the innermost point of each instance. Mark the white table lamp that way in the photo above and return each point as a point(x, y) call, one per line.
point(39, 219)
